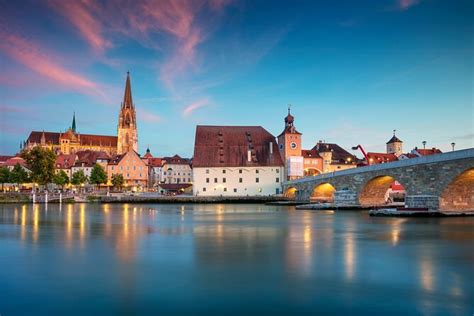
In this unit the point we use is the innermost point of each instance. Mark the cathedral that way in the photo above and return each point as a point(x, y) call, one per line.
point(72, 141)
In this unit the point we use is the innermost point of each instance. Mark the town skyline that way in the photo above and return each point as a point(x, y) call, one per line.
point(340, 92)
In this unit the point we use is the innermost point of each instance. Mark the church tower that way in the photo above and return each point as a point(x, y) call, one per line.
point(127, 136)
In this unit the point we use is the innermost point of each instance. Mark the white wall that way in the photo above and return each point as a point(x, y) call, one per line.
point(267, 184)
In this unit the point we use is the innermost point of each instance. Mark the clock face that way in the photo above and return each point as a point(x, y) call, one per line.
point(293, 145)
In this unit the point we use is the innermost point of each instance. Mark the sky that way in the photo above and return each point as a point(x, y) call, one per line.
point(353, 71)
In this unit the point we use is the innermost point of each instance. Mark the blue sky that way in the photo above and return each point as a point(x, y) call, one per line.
point(352, 70)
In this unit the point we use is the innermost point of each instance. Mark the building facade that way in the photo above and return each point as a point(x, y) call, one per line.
point(133, 169)
point(176, 170)
point(236, 161)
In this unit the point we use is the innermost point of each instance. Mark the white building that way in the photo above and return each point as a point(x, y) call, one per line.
point(176, 170)
point(236, 161)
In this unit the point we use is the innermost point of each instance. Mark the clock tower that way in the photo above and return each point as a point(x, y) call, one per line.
point(289, 144)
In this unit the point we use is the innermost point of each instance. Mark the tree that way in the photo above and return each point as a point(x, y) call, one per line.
point(61, 179)
point(98, 175)
point(18, 175)
point(78, 178)
point(4, 176)
point(41, 163)
point(117, 180)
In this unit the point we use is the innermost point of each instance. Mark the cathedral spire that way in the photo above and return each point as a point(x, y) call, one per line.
point(73, 126)
point(127, 98)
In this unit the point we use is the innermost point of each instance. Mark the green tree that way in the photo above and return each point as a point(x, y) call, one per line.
point(18, 175)
point(117, 180)
point(61, 179)
point(4, 176)
point(78, 178)
point(98, 175)
point(41, 163)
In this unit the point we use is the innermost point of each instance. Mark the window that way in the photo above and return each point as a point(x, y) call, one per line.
point(277, 170)
point(240, 180)
point(207, 170)
point(112, 167)
point(223, 180)
point(204, 189)
point(277, 191)
point(207, 180)
point(215, 180)
point(140, 175)
point(256, 171)
point(277, 180)
point(121, 167)
point(223, 171)
point(134, 167)
point(240, 170)
point(225, 189)
point(257, 180)
point(235, 190)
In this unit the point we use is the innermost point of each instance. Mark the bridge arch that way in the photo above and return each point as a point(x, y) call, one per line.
point(323, 192)
point(311, 172)
point(290, 193)
point(459, 193)
point(377, 191)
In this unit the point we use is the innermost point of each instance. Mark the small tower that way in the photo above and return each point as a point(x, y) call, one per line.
point(395, 145)
point(289, 144)
point(73, 125)
point(127, 135)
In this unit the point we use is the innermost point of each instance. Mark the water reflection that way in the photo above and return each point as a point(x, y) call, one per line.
point(144, 253)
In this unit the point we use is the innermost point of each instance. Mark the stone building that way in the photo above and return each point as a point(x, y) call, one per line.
point(71, 141)
point(236, 161)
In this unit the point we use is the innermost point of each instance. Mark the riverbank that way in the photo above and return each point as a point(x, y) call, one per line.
point(25, 198)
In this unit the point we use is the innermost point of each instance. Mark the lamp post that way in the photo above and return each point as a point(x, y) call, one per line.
point(424, 144)
point(453, 144)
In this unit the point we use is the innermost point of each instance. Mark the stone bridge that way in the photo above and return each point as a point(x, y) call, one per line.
point(443, 181)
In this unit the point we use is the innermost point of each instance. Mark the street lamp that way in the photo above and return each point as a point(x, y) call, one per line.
point(424, 144)
point(453, 144)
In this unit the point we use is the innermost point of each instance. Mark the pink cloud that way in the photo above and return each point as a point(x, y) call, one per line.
point(405, 4)
point(36, 59)
point(148, 116)
point(81, 15)
point(194, 106)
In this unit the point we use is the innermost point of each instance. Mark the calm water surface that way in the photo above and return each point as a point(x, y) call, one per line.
point(156, 259)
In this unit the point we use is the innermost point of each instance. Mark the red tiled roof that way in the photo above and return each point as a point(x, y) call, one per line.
point(427, 152)
point(65, 161)
point(4, 159)
point(176, 160)
point(13, 161)
point(89, 157)
point(155, 162)
point(228, 146)
point(85, 139)
point(381, 157)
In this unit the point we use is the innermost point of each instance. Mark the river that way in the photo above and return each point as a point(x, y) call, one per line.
point(230, 259)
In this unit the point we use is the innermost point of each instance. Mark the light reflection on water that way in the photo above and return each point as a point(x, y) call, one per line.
point(241, 259)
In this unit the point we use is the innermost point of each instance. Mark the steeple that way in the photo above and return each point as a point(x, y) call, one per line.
point(127, 98)
point(289, 119)
point(73, 126)
point(127, 125)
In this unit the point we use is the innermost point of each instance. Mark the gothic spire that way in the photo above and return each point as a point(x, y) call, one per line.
point(73, 126)
point(127, 98)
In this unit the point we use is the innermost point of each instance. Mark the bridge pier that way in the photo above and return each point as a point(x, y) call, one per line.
point(346, 198)
point(430, 202)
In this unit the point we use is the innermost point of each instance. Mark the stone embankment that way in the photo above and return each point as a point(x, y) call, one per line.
point(388, 212)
